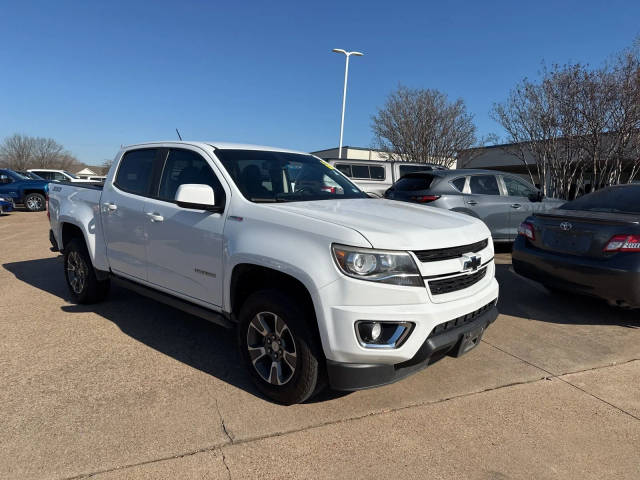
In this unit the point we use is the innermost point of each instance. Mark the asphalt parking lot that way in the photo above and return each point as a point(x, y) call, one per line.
point(133, 389)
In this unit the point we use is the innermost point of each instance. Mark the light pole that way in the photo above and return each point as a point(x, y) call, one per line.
point(344, 94)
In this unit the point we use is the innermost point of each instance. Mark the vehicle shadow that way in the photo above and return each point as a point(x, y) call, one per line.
point(188, 339)
point(524, 298)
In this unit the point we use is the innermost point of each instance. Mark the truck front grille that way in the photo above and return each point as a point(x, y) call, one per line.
point(449, 253)
point(459, 282)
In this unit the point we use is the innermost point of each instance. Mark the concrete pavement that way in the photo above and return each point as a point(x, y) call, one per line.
point(131, 388)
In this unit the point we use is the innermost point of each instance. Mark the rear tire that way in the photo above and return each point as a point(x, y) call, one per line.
point(279, 348)
point(34, 202)
point(80, 275)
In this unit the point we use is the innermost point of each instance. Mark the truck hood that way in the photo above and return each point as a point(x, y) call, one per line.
point(392, 225)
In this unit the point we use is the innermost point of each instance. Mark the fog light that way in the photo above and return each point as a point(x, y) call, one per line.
point(372, 334)
point(376, 330)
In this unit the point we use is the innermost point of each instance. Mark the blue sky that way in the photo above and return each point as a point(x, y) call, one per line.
point(95, 75)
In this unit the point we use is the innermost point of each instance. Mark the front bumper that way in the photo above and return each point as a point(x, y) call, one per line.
point(6, 207)
point(616, 279)
point(348, 301)
point(453, 338)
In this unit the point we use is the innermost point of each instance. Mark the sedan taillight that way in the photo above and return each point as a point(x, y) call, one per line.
point(526, 229)
point(623, 243)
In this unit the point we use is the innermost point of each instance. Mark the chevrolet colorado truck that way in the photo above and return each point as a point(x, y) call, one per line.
point(323, 284)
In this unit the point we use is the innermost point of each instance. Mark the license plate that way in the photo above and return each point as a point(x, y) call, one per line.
point(566, 242)
point(470, 340)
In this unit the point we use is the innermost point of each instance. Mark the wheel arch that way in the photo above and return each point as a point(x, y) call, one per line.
point(69, 231)
point(247, 278)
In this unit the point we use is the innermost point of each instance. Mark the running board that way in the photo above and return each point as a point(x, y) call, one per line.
point(188, 307)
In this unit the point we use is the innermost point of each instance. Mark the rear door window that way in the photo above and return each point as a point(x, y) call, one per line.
point(135, 171)
point(484, 185)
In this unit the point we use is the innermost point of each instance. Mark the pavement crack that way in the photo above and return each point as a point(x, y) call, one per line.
point(561, 375)
point(224, 426)
point(224, 461)
point(231, 441)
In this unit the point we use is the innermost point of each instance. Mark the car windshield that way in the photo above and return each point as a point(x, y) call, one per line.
point(619, 199)
point(264, 176)
point(21, 176)
point(72, 175)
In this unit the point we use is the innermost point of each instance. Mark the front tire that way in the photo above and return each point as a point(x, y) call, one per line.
point(278, 347)
point(81, 278)
point(34, 202)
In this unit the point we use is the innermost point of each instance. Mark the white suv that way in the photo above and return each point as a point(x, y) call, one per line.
point(58, 175)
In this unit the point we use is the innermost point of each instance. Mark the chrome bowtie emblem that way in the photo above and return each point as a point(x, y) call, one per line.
point(472, 263)
point(566, 226)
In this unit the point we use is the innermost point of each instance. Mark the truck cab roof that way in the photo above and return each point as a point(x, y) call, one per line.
point(214, 145)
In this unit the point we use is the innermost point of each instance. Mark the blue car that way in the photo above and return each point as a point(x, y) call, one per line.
point(6, 205)
point(23, 190)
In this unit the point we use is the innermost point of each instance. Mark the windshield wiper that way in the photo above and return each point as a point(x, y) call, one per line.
point(268, 199)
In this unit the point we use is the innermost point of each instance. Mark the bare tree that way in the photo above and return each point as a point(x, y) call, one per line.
point(46, 153)
point(541, 125)
point(423, 126)
point(20, 152)
point(577, 127)
point(16, 152)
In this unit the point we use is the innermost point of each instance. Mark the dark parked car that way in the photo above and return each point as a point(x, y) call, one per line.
point(23, 190)
point(589, 246)
point(6, 205)
point(501, 200)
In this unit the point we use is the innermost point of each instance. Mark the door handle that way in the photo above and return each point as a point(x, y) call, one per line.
point(471, 202)
point(112, 207)
point(515, 205)
point(155, 217)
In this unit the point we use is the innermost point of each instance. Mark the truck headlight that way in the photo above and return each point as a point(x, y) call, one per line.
point(382, 266)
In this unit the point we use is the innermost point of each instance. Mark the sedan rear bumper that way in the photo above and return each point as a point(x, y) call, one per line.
point(616, 279)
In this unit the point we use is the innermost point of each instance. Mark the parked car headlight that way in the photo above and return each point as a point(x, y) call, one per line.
point(397, 268)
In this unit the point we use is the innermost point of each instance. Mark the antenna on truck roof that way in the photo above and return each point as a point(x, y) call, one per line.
point(179, 136)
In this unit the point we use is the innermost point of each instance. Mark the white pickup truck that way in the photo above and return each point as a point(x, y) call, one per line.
point(324, 284)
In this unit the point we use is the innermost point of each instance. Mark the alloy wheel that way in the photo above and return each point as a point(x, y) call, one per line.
point(76, 272)
point(272, 348)
point(34, 203)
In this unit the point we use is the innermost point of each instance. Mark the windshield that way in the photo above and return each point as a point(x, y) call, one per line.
point(620, 199)
point(20, 176)
point(72, 175)
point(265, 176)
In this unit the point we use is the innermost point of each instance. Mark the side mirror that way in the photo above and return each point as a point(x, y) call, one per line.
point(4, 179)
point(536, 196)
point(198, 197)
